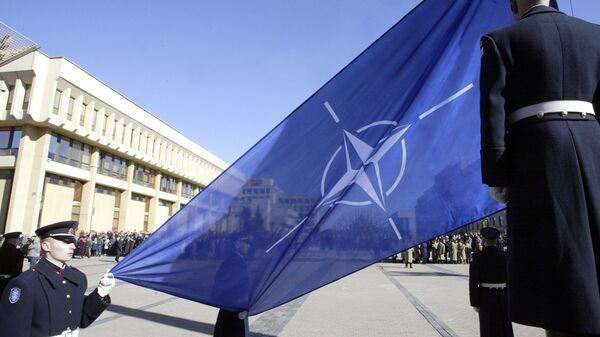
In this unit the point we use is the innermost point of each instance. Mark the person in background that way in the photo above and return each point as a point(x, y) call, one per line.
point(487, 287)
point(33, 251)
point(11, 259)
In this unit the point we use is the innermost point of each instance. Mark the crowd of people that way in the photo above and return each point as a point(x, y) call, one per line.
point(108, 243)
point(452, 248)
point(94, 243)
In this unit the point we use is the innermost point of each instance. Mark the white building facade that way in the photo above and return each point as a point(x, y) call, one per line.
point(72, 148)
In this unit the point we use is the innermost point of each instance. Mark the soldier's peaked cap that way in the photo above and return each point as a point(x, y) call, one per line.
point(64, 231)
point(490, 233)
point(12, 235)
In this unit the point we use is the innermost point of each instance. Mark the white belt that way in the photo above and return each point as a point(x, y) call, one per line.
point(492, 285)
point(69, 333)
point(564, 107)
point(3, 276)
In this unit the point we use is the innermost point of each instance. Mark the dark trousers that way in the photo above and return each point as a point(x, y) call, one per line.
point(229, 325)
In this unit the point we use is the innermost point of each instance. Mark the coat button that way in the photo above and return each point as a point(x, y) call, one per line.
point(584, 115)
point(70, 312)
point(68, 296)
point(64, 282)
point(564, 113)
point(540, 115)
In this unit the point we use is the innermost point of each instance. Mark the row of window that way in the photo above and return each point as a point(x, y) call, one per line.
point(68, 151)
point(74, 153)
point(11, 97)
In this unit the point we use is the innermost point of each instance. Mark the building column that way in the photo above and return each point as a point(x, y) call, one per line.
point(87, 195)
point(178, 190)
point(152, 212)
point(28, 182)
point(126, 198)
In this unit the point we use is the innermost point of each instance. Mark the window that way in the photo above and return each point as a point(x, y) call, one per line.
point(94, 116)
point(26, 98)
point(106, 118)
point(168, 184)
point(9, 141)
point(123, 134)
point(58, 180)
point(68, 151)
point(11, 94)
point(143, 176)
point(187, 190)
point(56, 104)
point(139, 197)
point(112, 166)
point(114, 131)
point(82, 116)
point(70, 108)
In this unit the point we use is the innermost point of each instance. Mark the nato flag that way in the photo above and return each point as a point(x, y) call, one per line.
point(383, 157)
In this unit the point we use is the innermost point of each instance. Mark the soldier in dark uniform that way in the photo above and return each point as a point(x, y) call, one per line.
point(11, 259)
point(487, 287)
point(541, 154)
point(233, 323)
point(49, 299)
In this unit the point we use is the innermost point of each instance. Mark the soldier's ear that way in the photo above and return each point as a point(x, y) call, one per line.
point(45, 245)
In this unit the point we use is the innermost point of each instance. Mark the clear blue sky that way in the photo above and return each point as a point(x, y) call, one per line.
point(221, 72)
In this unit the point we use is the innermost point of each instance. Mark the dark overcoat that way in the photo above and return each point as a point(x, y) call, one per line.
point(11, 262)
point(551, 166)
point(46, 301)
point(489, 266)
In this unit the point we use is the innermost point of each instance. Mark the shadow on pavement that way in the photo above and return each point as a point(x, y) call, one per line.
point(181, 323)
point(417, 273)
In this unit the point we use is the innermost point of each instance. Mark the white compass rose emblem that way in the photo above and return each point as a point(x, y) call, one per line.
point(368, 155)
point(371, 184)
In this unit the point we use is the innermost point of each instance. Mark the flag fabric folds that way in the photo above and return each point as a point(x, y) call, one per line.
point(383, 157)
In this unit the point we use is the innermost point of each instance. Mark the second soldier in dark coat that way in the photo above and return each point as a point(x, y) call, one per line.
point(487, 287)
point(540, 85)
point(11, 259)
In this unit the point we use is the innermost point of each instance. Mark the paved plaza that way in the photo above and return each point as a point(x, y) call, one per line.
point(382, 300)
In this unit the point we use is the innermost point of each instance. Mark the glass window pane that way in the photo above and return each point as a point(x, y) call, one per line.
point(52, 147)
point(56, 104)
point(16, 138)
point(70, 108)
point(26, 98)
point(4, 138)
point(82, 117)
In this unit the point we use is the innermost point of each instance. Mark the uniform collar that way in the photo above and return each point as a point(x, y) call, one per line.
point(54, 273)
point(540, 9)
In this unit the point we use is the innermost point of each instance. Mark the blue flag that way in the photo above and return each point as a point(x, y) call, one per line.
point(383, 157)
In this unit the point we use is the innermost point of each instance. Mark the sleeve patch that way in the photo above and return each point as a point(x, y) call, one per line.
point(15, 295)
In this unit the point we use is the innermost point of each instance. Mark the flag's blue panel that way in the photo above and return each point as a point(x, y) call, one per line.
point(383, 157)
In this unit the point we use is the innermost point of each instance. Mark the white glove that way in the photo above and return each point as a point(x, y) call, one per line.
point(476, 309)
point(242, 315)
point(106, 284)
point(499, 193)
